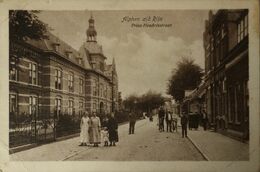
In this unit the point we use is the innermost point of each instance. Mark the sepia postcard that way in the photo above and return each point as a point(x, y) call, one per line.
point(129, 85)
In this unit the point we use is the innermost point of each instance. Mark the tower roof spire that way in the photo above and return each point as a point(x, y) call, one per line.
point(91, 31)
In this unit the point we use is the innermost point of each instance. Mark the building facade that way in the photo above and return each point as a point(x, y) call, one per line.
point(226, 71)
point(48, 77)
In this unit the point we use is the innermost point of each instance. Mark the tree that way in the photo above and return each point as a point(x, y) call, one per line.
point(129, 102)
point(24, 25)
point(145, 102)
point(187, 76)
point(151, 100)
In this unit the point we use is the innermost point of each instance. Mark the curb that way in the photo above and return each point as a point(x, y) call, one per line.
point(197, 147)
point(33, 145)
point(66, 137)
point(22, 148)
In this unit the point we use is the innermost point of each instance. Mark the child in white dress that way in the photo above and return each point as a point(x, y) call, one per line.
point(105, 136)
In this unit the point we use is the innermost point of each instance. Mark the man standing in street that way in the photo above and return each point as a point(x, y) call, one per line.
point(204, 119)
point(184, 122)
point(112, 126)
point(161, 114)
point(168, 119)
point(132, 120)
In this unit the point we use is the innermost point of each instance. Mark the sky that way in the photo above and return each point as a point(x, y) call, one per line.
point(144, 56)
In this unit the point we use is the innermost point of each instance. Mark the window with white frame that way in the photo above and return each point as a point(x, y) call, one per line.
point(33, 73)
point(94, 105)
point(223, 31)
point(95, 84)
point(71, 81)
point(81, 107)
point(58, 79)
point(13, 103)
point(33, 104)
point(58, 101)
point(242, 28)
point(105, 92)
point(71, 107)
point(80, 61)
point(80, 85)
point(101, 90)
point(13, 69)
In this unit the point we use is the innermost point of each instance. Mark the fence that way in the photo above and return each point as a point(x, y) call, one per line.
point(27, 129)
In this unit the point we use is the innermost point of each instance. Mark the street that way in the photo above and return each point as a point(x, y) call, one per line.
point(147, 144)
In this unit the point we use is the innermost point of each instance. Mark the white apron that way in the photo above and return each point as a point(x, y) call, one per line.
point(84, 136)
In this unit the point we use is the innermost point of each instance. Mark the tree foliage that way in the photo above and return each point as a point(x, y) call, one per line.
point(145, 102)
point(25, 25)
point(187, 76)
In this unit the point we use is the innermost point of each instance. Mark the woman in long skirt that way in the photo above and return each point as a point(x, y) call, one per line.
point(95, 130)
point(84, 127)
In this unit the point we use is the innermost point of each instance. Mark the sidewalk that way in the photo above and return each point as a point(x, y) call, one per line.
point(62, 150)
point(217, 147)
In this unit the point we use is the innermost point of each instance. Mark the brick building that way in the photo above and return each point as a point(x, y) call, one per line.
point(48, 76)
point(226, 67)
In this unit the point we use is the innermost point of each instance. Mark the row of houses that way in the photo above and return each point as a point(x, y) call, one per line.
point(223, 93)
point(49, 77)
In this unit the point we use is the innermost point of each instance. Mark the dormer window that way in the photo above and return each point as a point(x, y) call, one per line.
point(56, 46)
point(69, 54)
point(93, 65)
point(80, 60)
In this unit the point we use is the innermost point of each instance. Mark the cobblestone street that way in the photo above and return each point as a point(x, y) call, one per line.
point(147, 144)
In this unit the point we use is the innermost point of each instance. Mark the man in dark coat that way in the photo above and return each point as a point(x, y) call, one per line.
point(204, 119)
point(132, 120)
point(161, 115)
point(112, 130)
point(184, 122)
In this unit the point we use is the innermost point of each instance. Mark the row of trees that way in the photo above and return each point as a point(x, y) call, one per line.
point(144, 103)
